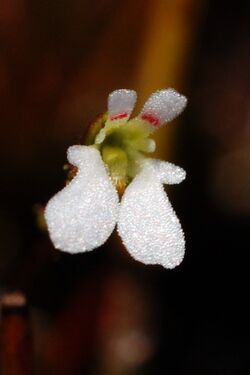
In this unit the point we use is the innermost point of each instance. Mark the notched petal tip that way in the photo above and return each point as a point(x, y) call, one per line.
point(78, 154)
point(163, 106)
point(121, 103)
point(168, 173)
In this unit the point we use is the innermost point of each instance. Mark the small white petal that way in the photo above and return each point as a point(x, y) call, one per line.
point(163, 106)
point(167, 173)
point(121, 103)
point(83, 215)
point(148, 225)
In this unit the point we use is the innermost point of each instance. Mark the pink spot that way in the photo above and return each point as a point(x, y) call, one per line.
point(153, 120)
point(119, 117)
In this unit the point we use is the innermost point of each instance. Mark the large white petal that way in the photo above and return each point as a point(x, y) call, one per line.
point(82, 216)
point(147, 223)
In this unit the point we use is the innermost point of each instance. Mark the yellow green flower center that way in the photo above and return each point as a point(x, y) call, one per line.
point(122, 146)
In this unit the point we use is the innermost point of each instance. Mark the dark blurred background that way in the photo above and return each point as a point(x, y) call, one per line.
point(102, 313)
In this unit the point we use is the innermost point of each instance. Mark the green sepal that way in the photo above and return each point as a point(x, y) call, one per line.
point(94, 128)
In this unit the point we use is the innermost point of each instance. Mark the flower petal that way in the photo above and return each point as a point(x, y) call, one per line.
point(147, 223)
point(162, 106)
point(167, 173)
point(83, 215)
point(120, 104)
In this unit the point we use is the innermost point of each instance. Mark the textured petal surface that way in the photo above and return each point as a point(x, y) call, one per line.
point(163, 106)
point(82, 216)
point(147, 224)
point(167, 173)
point(121, 103)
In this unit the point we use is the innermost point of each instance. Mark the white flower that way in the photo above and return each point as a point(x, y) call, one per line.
point(82, 216)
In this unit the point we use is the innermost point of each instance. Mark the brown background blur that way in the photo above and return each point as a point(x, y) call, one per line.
point(102, 313)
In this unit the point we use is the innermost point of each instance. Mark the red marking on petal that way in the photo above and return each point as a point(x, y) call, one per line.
point(153, 120)
point(119, 117)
